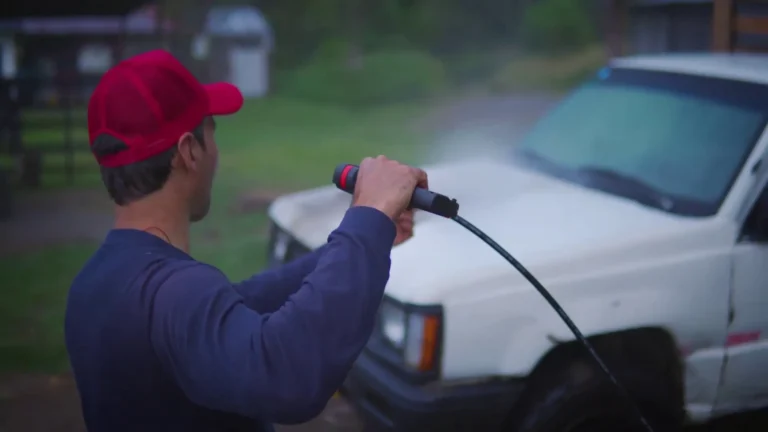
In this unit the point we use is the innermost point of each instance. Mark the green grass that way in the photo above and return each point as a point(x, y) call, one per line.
point(32, 308)
point(284, 143)
point(272, 144)
point(548, 73)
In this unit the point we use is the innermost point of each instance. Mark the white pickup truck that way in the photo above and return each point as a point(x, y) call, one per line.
point(640, 202)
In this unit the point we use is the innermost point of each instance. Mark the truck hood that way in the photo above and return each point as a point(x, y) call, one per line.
point(555, 228)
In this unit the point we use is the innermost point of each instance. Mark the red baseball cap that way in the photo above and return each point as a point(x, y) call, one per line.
point(149, 101)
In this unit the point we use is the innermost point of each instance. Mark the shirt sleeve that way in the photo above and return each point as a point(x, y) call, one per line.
point(279, 367)
point(266, 291)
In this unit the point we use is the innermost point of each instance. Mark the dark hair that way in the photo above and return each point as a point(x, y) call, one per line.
point(129, 183)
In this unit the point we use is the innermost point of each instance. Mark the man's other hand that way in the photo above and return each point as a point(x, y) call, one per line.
point(404, 227)
point(387, 185)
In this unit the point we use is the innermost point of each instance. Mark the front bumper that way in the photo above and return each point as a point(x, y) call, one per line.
point(388, 403)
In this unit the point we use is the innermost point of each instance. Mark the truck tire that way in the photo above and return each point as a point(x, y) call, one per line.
point(578, 397)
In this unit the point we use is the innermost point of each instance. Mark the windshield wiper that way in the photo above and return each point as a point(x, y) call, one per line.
point(533, 157)
point(627, 186)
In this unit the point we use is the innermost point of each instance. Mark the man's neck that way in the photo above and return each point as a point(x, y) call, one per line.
point(158, 216)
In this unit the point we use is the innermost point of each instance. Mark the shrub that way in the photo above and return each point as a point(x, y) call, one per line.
point(331, 50)
point(384, 76)
point(555, 26)
point(548, 72)
point(476, 66)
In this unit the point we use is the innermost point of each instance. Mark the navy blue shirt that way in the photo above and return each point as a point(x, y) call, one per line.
point(160, 342)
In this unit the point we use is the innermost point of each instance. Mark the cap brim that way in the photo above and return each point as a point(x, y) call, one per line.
point(223, 98)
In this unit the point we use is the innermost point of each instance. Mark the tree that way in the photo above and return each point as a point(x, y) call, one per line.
point(189, 18)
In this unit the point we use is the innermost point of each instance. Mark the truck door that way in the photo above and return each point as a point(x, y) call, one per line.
point(745, 379)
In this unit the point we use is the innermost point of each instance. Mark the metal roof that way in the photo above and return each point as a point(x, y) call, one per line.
point(221, 21)
point(44, 8)
point(737, 66)
point(666, 2)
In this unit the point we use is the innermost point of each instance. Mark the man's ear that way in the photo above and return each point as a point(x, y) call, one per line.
point(187, 147)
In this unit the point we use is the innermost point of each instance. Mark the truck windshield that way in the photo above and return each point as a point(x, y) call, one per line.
point(671, 141)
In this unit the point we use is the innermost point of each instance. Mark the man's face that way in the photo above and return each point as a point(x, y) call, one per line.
point(202, 161)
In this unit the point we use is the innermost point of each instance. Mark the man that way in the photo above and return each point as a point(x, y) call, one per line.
point(161, 342)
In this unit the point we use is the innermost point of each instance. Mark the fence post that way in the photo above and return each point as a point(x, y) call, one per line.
point(32, 168)
point(722, 18)
point(69, 162)
point(16, 146)
point(6, 195)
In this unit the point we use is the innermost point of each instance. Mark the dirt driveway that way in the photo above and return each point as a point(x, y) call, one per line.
point(50, 404)
point(30, 403)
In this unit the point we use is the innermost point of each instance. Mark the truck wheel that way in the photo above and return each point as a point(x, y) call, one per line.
point(578, 397)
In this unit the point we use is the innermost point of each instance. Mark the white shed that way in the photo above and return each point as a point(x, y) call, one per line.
point(241, 38)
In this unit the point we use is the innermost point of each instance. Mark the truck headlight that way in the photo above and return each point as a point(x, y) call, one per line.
point(414, 332)
point(393, 324)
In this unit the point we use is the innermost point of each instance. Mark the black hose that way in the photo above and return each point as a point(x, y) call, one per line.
point(552, 302)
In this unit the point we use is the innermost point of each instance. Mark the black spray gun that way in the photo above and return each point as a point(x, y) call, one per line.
point(345, 177)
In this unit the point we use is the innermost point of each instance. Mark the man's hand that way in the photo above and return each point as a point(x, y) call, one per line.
point(388, 186)
point(404, 227)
